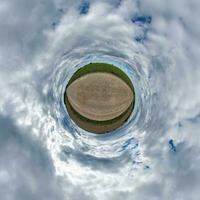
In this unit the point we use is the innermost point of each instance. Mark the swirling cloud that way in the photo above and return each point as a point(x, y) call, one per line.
point(41, 157)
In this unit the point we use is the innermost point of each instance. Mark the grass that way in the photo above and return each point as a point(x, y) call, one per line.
point(101, 67)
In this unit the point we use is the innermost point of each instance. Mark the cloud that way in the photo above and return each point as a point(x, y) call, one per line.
point(26, 169)
point(161, 38)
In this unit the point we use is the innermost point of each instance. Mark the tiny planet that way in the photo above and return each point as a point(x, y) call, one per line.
point(99, 97)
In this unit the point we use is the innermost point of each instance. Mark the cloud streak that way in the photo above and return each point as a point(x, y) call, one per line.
point(40, 158)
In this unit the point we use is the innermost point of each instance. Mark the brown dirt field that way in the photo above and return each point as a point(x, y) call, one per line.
point(99, 96)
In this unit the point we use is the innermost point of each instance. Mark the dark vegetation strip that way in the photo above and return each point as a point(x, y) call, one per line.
point(95, 121)
point(101, 67)
point(99, 128)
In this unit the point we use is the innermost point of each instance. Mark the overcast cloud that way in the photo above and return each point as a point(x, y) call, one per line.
point(39, 157)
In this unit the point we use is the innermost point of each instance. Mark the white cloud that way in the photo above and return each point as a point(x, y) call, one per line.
point(26, 170)
point(33, 37)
